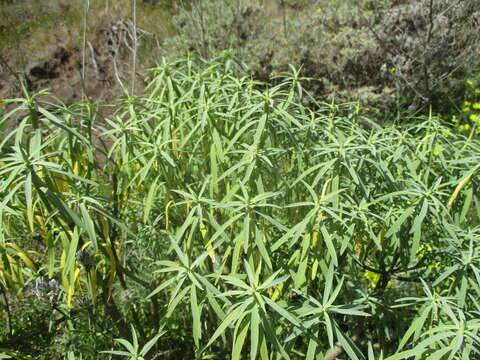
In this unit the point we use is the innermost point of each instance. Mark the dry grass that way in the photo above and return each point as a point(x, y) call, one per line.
point(32, 29)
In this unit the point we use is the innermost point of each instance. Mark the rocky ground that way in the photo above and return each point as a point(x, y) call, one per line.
point(106, 65)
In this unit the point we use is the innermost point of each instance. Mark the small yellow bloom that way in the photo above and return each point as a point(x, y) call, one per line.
point(464, 127)
point(374, 277)
point(422, 250)
point(466, 109)
point(474, 118)
point(467, 103)
point(476, 106)
point(470, 82)
point(477, 91)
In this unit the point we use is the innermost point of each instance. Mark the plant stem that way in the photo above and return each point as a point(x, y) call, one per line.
point(84, 46)
point(134, 66)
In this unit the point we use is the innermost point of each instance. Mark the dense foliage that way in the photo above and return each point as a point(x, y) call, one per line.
point(217, 217)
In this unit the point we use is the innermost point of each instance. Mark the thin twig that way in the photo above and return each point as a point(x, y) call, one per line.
point(385, 273)
point(134, 45)
point(94, 61)
point(9, 69)
point(117, 76)
point(84, 47)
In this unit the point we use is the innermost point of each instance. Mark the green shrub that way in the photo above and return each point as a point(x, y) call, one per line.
point(242, 223)
point(390, 54)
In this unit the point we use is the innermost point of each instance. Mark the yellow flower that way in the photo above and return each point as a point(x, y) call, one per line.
point(374, 277)
point(464, 127)
point(466, 109)
point(467, 103)
point(476, 106)
point(474, 118)
point(470, 82)
point(422, 250)
point(477, 91)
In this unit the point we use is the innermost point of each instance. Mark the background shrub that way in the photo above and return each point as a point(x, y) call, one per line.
point(391, 54)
